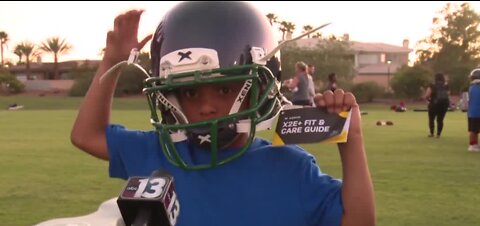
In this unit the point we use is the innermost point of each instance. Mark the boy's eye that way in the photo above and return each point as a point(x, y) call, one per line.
point(189, 92)
point(224, 90)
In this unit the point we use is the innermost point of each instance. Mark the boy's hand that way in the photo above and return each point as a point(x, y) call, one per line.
point(357, 189)
point(339, 101)
point(123, 38)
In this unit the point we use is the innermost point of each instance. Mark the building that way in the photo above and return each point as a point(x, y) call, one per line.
point(45, 71)
point(373, 61)
point(42, 74)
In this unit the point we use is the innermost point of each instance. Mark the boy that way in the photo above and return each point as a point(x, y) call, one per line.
point(213, 88)
point(474, 110)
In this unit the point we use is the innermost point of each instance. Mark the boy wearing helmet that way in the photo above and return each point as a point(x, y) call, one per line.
point(211, 89)
point(474, 110)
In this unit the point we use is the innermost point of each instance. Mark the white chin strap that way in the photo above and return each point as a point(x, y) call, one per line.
point(243, 126)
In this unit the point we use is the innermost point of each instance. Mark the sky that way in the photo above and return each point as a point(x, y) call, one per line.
point(85, 24)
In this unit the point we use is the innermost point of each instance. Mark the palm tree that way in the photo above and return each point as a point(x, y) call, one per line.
point(3, 42)
point(283, 28)
point(29, 50)
point(306, 29)
point(317, 35)
point(272, 18)
point(290, 28)
point(18, 51)
point(57, 47)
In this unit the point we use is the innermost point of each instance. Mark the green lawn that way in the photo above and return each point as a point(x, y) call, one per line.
point(418, 180)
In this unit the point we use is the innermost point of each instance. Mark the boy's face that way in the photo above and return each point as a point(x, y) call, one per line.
point(211, 101)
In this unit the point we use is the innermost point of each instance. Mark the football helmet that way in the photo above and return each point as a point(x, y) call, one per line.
point(475, 74)
point(199, 43)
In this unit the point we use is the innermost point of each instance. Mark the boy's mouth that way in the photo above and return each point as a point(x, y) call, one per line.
point(203, 137)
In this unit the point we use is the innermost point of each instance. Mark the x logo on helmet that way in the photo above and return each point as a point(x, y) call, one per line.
point(205, 138)
point(184, 55)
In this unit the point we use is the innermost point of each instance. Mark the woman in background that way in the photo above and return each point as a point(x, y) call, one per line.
point(437, 96)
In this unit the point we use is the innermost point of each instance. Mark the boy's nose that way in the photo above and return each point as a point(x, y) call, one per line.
point(206, 108)
point(207, 103)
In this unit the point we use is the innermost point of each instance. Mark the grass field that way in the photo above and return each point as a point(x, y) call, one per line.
point(418, 180)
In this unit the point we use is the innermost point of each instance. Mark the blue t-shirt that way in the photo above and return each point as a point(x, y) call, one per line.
point(474, 101)
point(268, 185)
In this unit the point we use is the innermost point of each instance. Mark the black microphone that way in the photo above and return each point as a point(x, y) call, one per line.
point(149, 201)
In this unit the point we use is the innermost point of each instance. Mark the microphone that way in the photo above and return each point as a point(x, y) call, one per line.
point(148, 201)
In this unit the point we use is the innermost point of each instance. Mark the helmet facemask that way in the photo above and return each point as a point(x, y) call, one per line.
point(259, 86)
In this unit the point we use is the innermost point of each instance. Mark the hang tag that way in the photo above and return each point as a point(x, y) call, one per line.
point(311, 125)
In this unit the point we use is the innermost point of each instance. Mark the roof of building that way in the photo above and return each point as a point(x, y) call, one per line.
point(359, 46)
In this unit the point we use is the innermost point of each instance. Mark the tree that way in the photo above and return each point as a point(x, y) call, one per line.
point(367, 91)
point(131, 79)
point(327, 57)
point(18, 51)
point(290, 27)
point(29, 50)
point(409, 81)
point(306, 29)
point(283, 28)
point(272, 18)
point(129, 82)
point(454, 42)
point(9, 83)
point(3, 42)
point(57, 47)
point(317, 35)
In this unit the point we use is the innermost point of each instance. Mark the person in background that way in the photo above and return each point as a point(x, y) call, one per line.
point(299, 85)
point(474, 110)
point(437, 96)
point(332, 82)
point(311, 84)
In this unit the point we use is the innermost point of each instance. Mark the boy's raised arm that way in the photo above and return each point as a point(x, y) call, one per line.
point(88, 132)
point(357, 189)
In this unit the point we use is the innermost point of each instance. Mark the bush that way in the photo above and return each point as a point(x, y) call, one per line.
point(83, 78)
point(11, 82)
point(129, 82)
point(458, 79)
point(409, 82)
point(367, 91)
point(327, 56)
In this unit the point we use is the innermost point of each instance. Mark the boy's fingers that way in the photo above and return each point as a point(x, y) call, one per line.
point(110, 37)
point(349, 101)
point(120, 22)
point(338, 97)
point(134, 16)
point(319, 101)
point(138, 14)
point(144, 41)
point(329, 100)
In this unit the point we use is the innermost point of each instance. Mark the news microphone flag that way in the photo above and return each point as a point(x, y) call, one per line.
point(151, 200)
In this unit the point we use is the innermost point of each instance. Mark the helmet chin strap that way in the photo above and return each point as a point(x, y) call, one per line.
point(132, 60)
point(242, 94)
